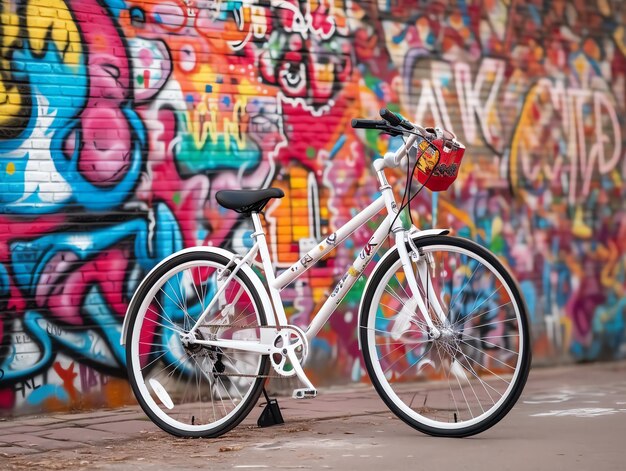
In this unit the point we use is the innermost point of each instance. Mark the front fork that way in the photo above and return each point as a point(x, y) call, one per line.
point(423, 262)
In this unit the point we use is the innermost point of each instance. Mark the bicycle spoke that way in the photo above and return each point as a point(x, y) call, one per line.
point(456, 406)
point(413, 342)
point(469, 408)
point(470, 369)
point(388, 334)
point(464, 286)
point(466, 318)
point(197, 388)
point(493, 323)
point(486, 354)
point(156, 359)
point(481, 339)
point(164, 326)
point(441, 380)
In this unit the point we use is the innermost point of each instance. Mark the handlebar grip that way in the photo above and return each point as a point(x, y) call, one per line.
point(395, 120)
point(407, 125)
point(390, 117)
point(367, 123)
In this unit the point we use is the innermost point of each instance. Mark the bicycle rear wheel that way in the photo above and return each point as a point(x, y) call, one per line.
point(193, 390)
point(467, 379)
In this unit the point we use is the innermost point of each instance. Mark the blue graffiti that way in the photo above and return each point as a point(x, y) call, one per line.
point(40, 336)
point(59, 93)
point(45, 392)
point(98, 310)
point(30, 258)
point(4, 280)
point(100, 346)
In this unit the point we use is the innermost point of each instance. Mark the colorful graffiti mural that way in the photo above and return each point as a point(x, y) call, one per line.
point(120, 119)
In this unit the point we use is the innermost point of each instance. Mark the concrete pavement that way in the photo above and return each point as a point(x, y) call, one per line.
point(568, 418)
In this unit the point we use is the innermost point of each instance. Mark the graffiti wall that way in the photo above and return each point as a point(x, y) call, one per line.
point(119, 120)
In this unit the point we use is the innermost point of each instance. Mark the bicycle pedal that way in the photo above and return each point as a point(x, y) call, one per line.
point(304, 393)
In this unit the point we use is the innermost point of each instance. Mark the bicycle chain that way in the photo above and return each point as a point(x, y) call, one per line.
point(243, 327)
point(248, 376)
point(235, 325)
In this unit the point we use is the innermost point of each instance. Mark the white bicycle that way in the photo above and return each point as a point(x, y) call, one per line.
point(443, 327)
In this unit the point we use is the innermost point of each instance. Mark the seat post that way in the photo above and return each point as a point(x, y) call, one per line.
point(270, 276)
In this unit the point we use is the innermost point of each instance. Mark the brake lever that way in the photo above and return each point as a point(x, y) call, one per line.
point(388, 129)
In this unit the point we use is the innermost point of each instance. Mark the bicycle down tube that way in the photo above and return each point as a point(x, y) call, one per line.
point(275, 284)
point(360, 263)
point(327, 245)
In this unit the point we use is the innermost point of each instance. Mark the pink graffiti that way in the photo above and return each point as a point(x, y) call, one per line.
point(581, 305)
point(66, 281)
point(104, 136)
point(16, 303)
point(165, 183)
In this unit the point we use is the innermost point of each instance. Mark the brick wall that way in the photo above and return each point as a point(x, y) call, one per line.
point(119, 120)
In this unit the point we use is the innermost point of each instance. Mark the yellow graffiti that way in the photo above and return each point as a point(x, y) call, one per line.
point(579, 228)
point(11, 103)
point(54, 17)
point(521, 139)
point(611, 268)
point(459, 214)
point(11, 100)
point(43, 20)
point(567, 328)
point(620, 40)
point(207, 123)
point(204, 124)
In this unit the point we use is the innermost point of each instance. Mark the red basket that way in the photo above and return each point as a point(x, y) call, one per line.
point(439, 159)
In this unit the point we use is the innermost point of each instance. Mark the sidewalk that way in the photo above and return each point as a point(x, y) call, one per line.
point(568, 416)
point(31, 435)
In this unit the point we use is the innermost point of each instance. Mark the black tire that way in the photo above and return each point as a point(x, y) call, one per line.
point(397, 323)
point(192, 363)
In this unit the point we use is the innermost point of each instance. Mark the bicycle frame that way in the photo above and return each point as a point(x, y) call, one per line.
point(275, 284)
point(410, 329)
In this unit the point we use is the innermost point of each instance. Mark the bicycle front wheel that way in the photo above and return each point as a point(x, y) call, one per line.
point(192, 390)
point(464, 378)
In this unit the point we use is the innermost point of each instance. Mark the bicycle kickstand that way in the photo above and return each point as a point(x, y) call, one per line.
point(271, 414)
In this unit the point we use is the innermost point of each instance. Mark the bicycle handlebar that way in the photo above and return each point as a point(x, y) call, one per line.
point(390, 117)
point(389, 124)
point(368, 123)
point(395, 125)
